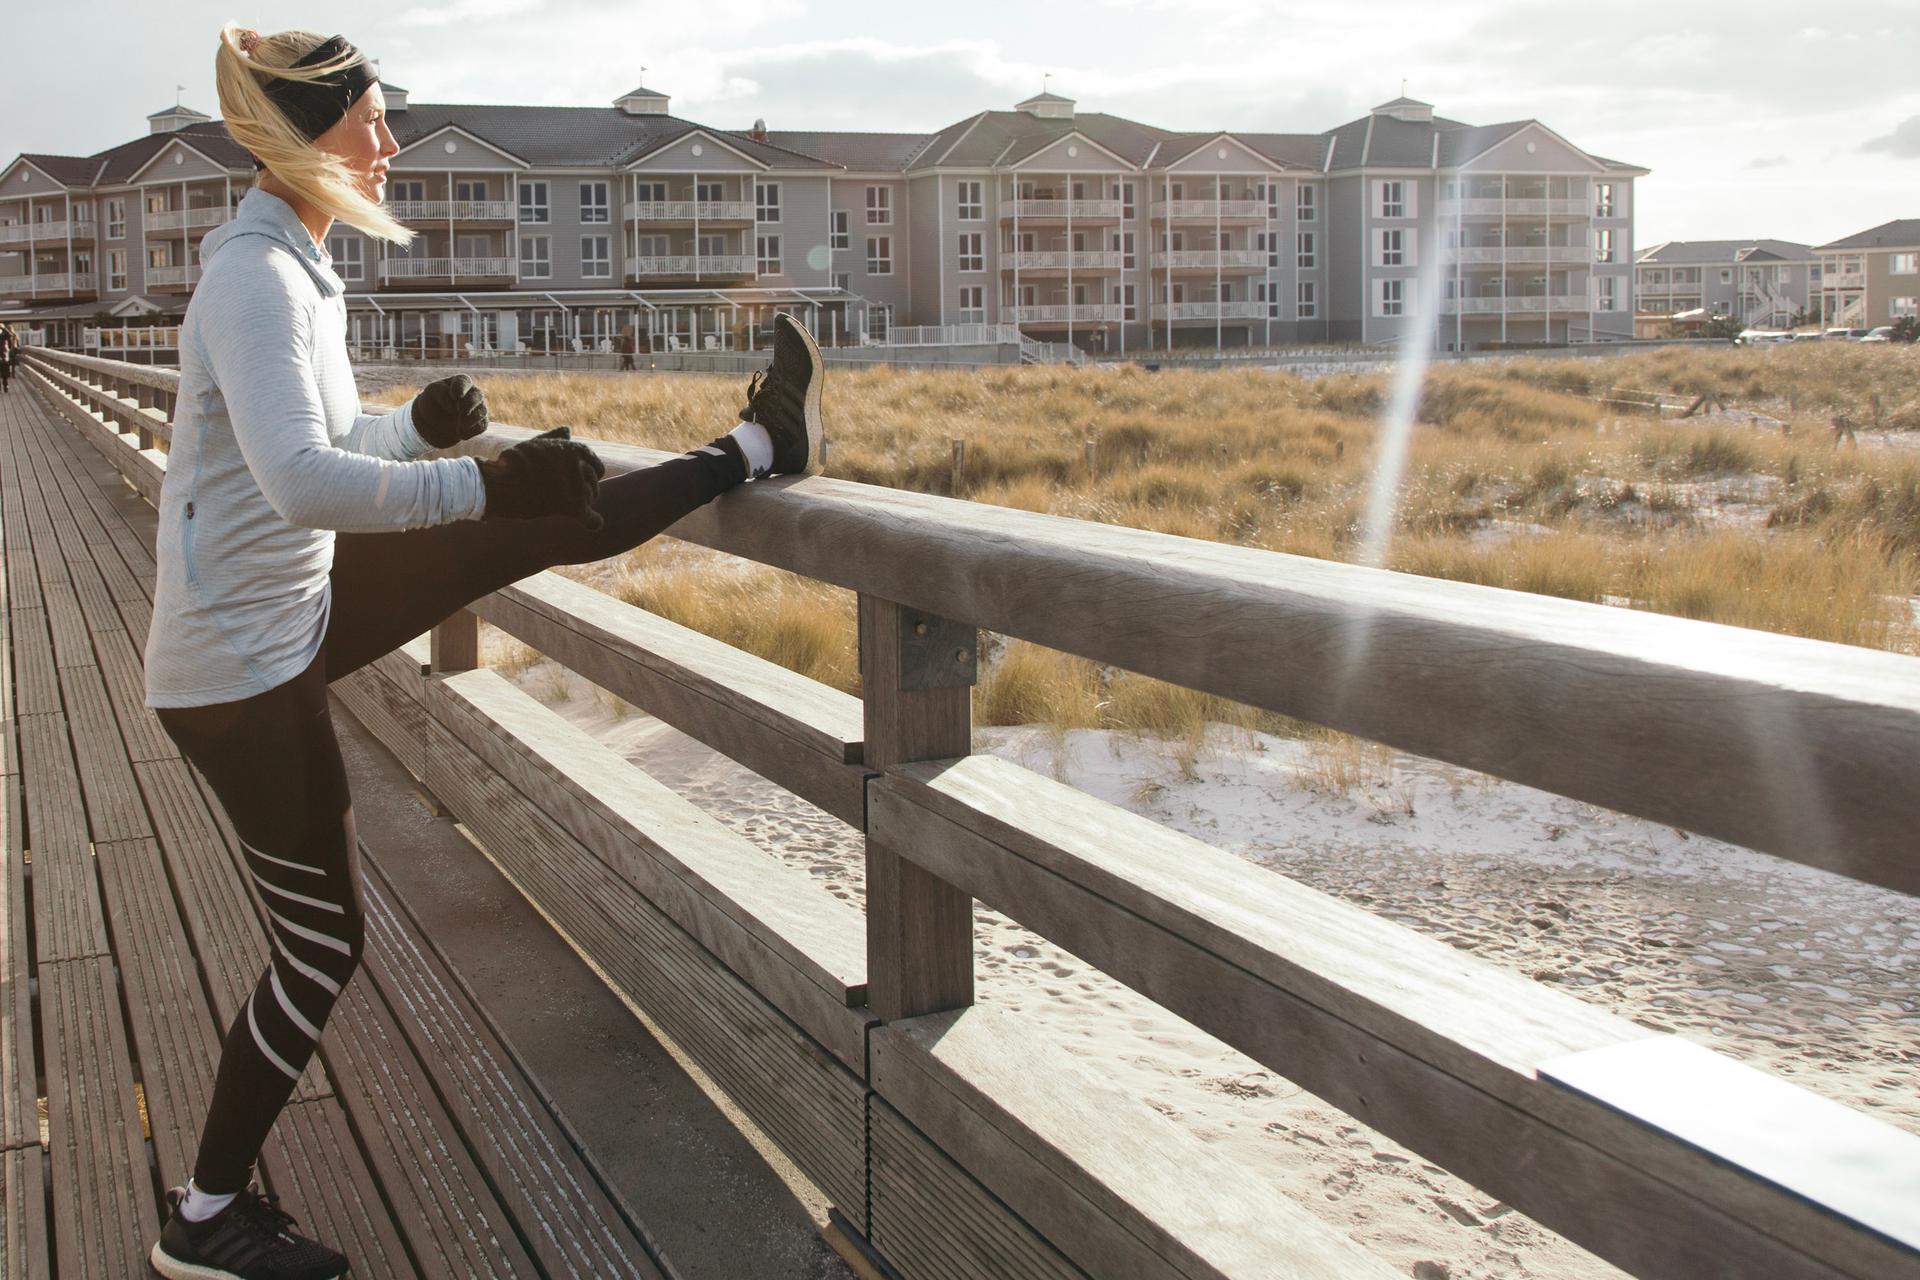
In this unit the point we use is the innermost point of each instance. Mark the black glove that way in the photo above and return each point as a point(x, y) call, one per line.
point(449, 411)
point(549, 475)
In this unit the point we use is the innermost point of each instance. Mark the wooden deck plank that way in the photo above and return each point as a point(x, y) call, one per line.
point(114, 808)
point(25, 1233)
point(19, 1125)
point(68, 921)
point(126, 687)
point(36, 690)
point(314, 1165)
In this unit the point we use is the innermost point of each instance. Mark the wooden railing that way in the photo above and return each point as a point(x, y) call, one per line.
point(960, 1139)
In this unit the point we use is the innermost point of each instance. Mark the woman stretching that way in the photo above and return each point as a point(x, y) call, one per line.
point(258, 604)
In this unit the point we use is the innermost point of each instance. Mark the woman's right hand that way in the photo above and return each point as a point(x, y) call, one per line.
point(550, 475)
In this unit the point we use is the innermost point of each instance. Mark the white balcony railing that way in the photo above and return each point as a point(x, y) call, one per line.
point(1520, 255)
point(444, 268)
point(451, 210)
point(1844, 280)
point(1516, 304)
point(1063, 313)
point(688, 264)
point(1515, 207)
point(186, 219)
point(1215, 311)
point(1104, 210)
point(1255, 210)
point(24, 232)
point(1210, 259)
point(47, 283)
point(172, 277)
point(1062, 259)
point(691, 211)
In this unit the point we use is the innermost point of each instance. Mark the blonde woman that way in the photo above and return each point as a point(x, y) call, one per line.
point(300, 539)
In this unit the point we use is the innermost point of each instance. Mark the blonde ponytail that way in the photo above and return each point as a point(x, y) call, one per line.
point(243, 65)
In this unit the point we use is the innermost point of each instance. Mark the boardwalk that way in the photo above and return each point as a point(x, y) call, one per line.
point(422, 1141)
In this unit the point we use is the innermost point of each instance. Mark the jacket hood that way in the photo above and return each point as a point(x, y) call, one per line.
point(261, 213)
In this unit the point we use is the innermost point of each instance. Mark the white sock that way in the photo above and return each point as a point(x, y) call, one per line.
point(199, 1205)
point(757, 445)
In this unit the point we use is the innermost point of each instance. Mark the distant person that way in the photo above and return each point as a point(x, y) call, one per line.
point(9, 349)
point(624, 344)
point(301, 539)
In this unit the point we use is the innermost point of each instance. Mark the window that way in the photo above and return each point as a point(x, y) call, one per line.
point(972, 208)
point(1123, 245)
point(1269, 294)
point(595, 262)
point(1726, 276)
point(1392, 298)
point(116, 219)
point(1904, 264)
point(1304, 205)
point(1123, 297)
point(536, 256)
point(116, 268)
point(766, 202)
point(837, 237)
point(1393, 248)
point(1604, 293)
point(879, 206)
point(879, 321)
point(1272, 192)
point(1303, 251)
point(403, 191)
point(649, 246)
point(469, 190)
point(1603, 249)
point(348, 260)
point(708, 192)
point(879, 255)
point(769, 256)
point(1268, 245)
point(644, 193)
point(1125, 194)
point(1603, 200)
point(1393, 199)
point(533, 203)
point(1305, 308)
point(972, 256)
point(710, 246)
point(1901, 308)
point(973, 304)
point(159, 256)
point(156, 203)
point(843, 281)
point(593, 202)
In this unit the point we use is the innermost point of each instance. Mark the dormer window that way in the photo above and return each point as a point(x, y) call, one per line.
point(642, 102)
point(1047, 106)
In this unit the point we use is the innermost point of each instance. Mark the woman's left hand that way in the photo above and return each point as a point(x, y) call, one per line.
point(449, 411)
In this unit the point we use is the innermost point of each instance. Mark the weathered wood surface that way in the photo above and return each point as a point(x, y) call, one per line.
point(1424, 1043)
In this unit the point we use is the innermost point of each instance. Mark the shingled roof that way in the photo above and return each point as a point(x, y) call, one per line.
point(1690, 253)
point(858, 152)
point(1901, 233)
point(71, 171)
point(577, 135)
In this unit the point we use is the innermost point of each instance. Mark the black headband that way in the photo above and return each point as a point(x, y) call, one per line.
point(314, 106)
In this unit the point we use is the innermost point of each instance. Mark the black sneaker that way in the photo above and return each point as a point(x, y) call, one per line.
point(786, 399)
point(250, 1239)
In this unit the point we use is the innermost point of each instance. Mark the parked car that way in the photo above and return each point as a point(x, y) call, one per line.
point(1762, 337)
point(1882, 334)
point(1844, 335)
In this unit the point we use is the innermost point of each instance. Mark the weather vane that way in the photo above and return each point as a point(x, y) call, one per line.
point(1046, 76)
point(177, 91)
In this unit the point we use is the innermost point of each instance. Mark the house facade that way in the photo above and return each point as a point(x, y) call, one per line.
point(1872, 277)
point(565, 228)
point(1762, 283)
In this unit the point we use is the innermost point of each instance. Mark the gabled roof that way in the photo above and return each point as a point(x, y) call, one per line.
point(1295, 150)
point(642, 92)
point(68, 171)
point(1386, 142)
point(1690, 253)
point(468, 134)
point(858, 152)
point(1046, 97)
point(1181, 146)
point(576, 136)
point(1007, 137)
point(210, 138)
point(1402, 101)
point(178, 110)
point(1901, 233)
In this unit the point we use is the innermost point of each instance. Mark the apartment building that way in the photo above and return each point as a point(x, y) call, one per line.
point(1872, 277)
point(562, 227)
point(1762, 283)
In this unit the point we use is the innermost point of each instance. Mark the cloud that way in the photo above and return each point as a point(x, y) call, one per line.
point(1766, 162)
point(1904, 141)
point(446, 14)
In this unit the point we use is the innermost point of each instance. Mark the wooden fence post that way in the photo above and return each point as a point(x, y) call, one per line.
point(917, 673)
point(455, 643)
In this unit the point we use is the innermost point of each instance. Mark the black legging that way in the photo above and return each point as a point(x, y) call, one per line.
point(273, 762)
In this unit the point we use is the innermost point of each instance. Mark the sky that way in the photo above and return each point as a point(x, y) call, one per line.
point(1798, 120)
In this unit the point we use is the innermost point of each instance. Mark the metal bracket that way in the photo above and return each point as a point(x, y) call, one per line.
point(936, 652)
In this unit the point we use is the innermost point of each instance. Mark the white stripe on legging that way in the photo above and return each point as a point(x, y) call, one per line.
point(306, 970)
point(261, 1040)
point(297, 866)
point(291, 896)
point(311, 935)
point(286, 1003)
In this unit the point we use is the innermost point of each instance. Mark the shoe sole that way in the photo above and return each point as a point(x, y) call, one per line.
point(816, 430)
point(174, 1269)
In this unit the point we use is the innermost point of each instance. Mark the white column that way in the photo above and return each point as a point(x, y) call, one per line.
point(1219, 307)
point(1166, 228)
point(940, 241)
point(1546, 313)
point(1066, 181)
point(186, 239)
point(696, 241)
point(1503, 259)
point(1016, 242)
point(453, 269)
point(70, 281)
point(513, 232)
point(33, 258)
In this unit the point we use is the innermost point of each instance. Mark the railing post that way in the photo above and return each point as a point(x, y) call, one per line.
point(455, 643)
point(916, 672)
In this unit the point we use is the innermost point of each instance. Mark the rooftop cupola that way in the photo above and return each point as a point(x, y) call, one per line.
point(642, 102)
point(1047, 106)
point(1411, 110)
point(395, 96)
point(174, 117)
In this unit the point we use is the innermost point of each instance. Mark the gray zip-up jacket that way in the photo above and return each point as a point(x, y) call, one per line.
point(270, 455)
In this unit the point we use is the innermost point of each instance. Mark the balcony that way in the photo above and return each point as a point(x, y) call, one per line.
point(665, 211)
point(1520, 255)
point(1515, 207)
point(1061, 210)
point(1215, 311)
point(685, 265)
point(451, 210)
point(1047, 260)
point(43, 232)
point(1516, 304)
point(172, 279)
point(1210, 259)
point(47, 284)
point(1844, 280)
point(187, 219)
point(438, 270)
point(1211, 210)
point(1063, 313)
